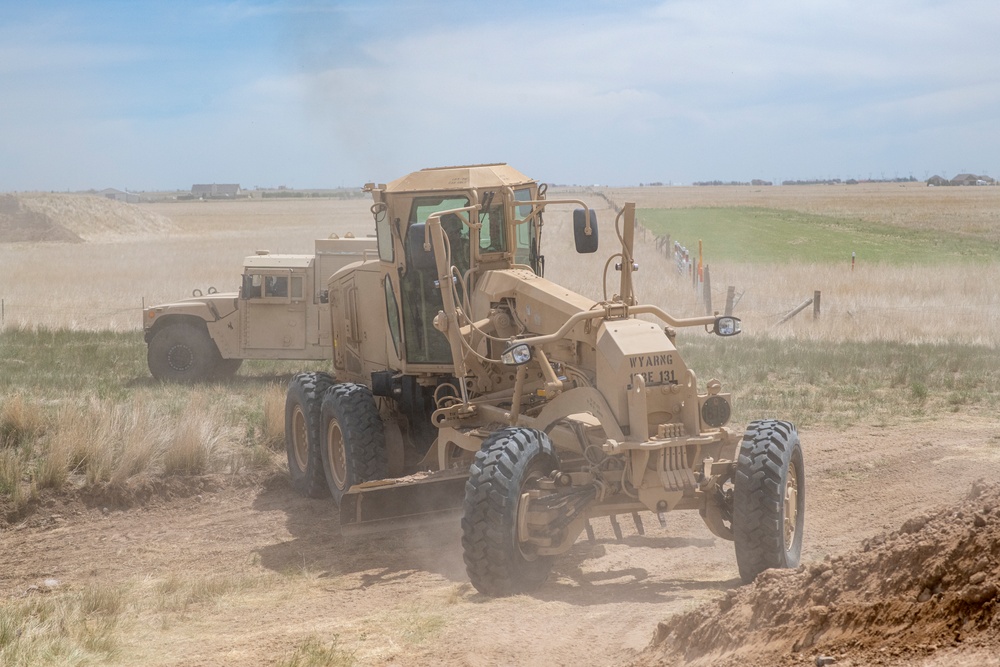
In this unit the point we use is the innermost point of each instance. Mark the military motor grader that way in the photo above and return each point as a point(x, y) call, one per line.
point(468, 383)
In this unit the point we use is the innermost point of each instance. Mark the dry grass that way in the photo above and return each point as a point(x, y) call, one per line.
point(273, 427)
point(104, 442)
point(66, 627)
point(101, 622)
point(20, 420)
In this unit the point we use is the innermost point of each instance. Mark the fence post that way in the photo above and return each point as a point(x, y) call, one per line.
point(730, 298)
point(798, 309)
point(708, 292)
point(816, 305)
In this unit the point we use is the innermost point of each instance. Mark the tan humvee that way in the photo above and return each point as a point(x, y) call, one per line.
point(280, 312)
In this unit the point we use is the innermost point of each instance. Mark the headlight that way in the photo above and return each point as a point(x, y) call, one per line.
point(715, 411)
point(516, 355)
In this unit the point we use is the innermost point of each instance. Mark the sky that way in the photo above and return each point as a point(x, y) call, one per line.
point(150, 96)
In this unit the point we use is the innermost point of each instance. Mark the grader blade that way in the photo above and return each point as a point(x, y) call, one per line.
point(397, 504)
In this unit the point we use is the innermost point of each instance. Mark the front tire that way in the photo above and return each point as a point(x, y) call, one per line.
point(768, 499)
point(303, 405)
point(182, 352)
point(508, 464)
point(352, 441)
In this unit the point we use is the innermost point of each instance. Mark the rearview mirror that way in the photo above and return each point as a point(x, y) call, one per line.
point(585, 242)
point(727, 326)
point(416, 257)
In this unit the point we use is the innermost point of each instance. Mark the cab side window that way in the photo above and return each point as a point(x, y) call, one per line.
point(493, 233)
point(276, 286)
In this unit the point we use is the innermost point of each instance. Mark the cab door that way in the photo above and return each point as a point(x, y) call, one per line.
point(274, 310)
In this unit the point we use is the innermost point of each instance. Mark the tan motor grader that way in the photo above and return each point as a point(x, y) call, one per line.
point(466, 382)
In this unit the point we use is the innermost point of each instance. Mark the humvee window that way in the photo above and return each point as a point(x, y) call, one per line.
point(277, 286)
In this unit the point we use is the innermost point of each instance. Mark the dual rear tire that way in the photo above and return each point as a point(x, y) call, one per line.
point(333, 436)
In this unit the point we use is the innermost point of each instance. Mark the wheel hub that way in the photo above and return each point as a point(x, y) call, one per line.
point(791, 507)
point(336, 454)
point(300, 439)
point(180, 357)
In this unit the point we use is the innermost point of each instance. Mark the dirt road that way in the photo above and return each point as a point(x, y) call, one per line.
point(275, 573)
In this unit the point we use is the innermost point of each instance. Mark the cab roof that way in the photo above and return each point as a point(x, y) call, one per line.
point(270, 261)
point(464, 177)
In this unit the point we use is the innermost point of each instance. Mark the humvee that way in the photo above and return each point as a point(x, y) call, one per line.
point(280, 311)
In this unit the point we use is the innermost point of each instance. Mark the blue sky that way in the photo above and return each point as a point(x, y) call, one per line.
point(160, 95)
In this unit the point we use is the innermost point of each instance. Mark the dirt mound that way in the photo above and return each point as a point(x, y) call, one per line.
point(928, 589)
point(74, 218)
point(18, 223)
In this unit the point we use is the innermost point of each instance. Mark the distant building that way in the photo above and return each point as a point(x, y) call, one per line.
point(118, 195)
point(972, 179)
point(937, 180)
point(217, 191)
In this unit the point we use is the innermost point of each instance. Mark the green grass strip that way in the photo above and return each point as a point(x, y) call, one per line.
point(765, 235)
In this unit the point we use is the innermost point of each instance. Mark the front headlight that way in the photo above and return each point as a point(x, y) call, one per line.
point(517, 354)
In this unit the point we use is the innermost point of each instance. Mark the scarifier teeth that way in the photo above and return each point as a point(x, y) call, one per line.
point(615, 527)
point(663, 519)
point(637, 520)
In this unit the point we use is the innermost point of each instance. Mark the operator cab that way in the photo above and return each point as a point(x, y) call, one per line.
point(484, 227)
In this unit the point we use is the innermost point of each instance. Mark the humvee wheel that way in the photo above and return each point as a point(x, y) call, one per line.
point(510, 462)
point(768, 499)
point(302, 423)
point(352, 440)
point(181, 352)
point(226, 368)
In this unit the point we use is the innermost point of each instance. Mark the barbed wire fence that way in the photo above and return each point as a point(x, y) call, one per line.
point(686, 265)
point(55, 315)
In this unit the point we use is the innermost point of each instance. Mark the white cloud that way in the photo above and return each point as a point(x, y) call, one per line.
point(341, 93)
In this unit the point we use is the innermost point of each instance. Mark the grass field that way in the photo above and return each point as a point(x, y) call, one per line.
point(775, 236)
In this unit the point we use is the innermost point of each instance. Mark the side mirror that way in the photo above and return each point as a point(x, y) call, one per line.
point(727, 326)
point(585, 242)
point(416, 257)
point(517, 354)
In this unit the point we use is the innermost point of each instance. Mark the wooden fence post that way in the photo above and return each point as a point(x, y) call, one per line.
point(816, 305)
point(730, 298)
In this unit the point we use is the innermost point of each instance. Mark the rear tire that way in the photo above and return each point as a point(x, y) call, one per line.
point(303, 405)
point(508, 464)
point(768, 499)
point(181, 352)
point(352, 439)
